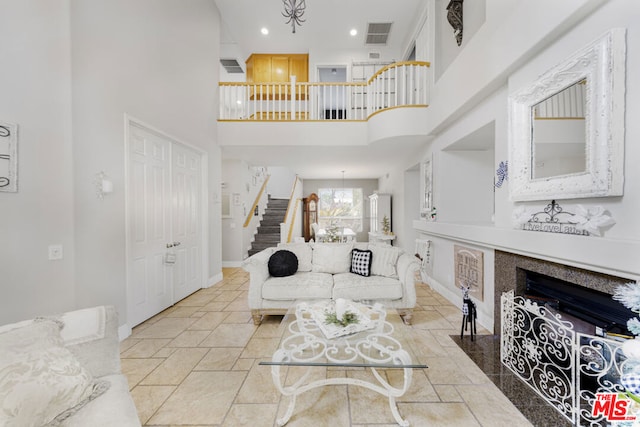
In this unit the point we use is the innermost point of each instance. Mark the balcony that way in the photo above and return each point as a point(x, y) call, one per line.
point(391, 103)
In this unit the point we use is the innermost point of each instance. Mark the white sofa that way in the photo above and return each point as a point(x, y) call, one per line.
point(324, 273)
point(64, 366)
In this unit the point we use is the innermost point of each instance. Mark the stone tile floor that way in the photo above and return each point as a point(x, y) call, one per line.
point(196, 364)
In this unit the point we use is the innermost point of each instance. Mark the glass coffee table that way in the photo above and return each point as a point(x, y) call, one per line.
point(378, 340)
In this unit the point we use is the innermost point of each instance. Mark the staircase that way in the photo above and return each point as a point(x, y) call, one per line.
point(268, 234)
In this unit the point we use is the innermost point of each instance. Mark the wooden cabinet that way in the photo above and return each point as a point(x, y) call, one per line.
point(310, 215)
point(267, 67)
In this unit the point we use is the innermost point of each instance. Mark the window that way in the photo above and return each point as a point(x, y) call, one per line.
point(340, 207)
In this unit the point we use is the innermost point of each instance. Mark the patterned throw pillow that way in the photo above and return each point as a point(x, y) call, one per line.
point(361, 262)
point(41, 382)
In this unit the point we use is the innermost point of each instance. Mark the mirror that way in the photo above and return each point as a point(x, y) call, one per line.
point(559, 133)
point(426, 188)
point(566, 129)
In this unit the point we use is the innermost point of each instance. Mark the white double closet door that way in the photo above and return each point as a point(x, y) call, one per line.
point(164, 209)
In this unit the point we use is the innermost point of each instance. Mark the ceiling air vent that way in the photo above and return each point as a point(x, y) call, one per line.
point(232, 66)
point(378, 33)
point(374, 55)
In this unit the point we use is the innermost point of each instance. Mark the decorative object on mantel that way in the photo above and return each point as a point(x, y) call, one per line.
point(592, 219)
point(469, 270)
point(502, 173)
point(454, 16)
point(294, 9)
point(8, 157)
point(386, 225)
point(554, 219)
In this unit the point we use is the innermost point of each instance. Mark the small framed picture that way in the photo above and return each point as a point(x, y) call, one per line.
point(8, 157)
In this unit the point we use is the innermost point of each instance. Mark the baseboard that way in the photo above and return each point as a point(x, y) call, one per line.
point(214, 279)
point(231, 264)
point(124, 331)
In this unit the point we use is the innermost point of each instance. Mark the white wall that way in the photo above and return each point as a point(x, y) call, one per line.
point(155, 60)
point(35, 93)
point(71, 70)
point(236, 174)
point(447, 49)
point(281, 182)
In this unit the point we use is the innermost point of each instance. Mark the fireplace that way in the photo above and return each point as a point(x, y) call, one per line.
point(511, 274)
point(578, 304)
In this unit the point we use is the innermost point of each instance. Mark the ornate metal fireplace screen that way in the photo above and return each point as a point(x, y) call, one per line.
point(564, 367)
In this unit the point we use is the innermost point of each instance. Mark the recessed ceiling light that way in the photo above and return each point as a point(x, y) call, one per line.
point(264, 31)
point(353, 32)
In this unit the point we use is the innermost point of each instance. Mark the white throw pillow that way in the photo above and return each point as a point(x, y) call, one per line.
point(40, 379)
point(384, 260)
point(332, 258)
point(302, 251)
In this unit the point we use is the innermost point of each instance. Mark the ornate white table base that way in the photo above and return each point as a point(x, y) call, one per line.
point(384, 388)
point(375, 349)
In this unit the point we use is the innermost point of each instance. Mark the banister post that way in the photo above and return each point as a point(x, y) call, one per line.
point(293, 97)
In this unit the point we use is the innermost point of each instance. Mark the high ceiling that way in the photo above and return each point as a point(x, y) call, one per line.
point(325, 35)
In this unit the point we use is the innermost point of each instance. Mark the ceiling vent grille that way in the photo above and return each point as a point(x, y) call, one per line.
point(232, 66)
point(378, 33)
point(374, 55)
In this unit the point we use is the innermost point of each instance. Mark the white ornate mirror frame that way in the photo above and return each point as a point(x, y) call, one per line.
point(426, 187)
point(602, 63)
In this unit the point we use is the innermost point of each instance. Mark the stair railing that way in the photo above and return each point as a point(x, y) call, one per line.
point(287, 226)
point(256, 203)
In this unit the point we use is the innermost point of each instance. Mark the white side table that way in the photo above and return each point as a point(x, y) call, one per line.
point(381, 238)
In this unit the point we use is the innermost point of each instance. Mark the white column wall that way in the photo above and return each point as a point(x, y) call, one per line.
point(157, 61)
point(35, 94)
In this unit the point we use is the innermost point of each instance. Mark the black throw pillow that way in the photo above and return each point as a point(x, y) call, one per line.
point(283, 263)
point(361, 262)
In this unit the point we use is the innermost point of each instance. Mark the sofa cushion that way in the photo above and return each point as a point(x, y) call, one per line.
point(332, 257)
point(361, 262)
point(303, 252)
point(40, 380)
point(384, 260)
point(355, 287)
point(283, 263)
point(302, 285)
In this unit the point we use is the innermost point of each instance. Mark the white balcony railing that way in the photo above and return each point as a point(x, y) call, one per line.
point(401, 84)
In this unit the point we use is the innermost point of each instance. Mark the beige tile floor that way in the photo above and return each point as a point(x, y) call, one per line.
point(196, 364)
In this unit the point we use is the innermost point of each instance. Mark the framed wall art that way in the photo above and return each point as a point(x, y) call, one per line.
point(8, 157)
point(469, 270)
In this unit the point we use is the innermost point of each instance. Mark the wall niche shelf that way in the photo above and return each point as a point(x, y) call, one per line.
point(467, 196)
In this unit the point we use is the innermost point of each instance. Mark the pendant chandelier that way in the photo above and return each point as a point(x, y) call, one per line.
point(294, 9)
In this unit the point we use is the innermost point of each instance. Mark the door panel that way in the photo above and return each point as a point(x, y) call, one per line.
point(149, 281)
point(187, 220)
